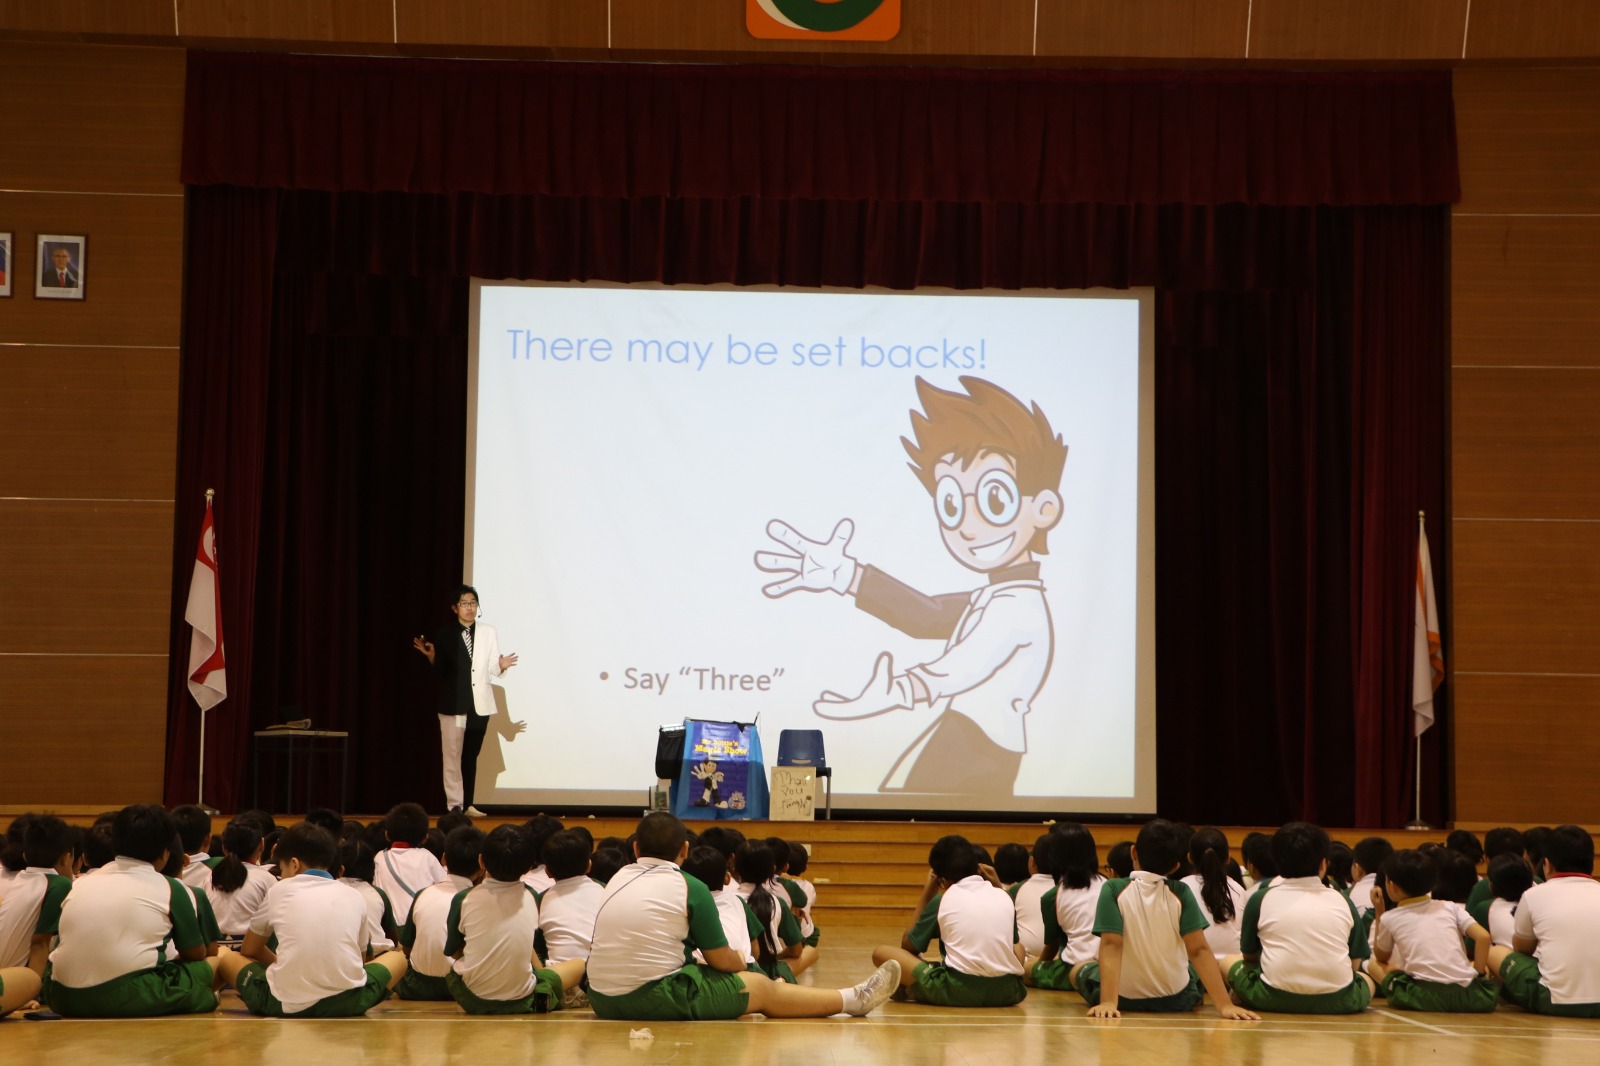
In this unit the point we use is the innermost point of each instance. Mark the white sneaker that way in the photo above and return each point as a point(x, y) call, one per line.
point(473, 812)
point(574, 999)
point(876, 990)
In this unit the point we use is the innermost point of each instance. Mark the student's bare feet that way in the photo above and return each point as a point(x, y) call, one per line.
point(876, 990)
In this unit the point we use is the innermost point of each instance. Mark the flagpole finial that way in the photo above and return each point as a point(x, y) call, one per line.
point(1422, 516)
point(210, 493)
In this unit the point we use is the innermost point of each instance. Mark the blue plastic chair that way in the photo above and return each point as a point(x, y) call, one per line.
point(803, 747)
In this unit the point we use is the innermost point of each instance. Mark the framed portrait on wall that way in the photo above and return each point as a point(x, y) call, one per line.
point(5, 264)
point(61, 263)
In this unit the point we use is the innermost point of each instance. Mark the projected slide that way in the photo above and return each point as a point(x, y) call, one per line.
point(913, 521)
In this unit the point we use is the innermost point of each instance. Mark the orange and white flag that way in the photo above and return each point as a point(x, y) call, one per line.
point(208, 675)
point(1427, 651)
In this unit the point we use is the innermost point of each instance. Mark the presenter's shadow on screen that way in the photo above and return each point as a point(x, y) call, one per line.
point(503, 730)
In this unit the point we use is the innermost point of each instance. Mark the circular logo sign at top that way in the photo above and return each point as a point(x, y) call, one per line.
point(823, 20)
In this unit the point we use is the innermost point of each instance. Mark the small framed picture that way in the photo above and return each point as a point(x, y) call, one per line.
point(61, 267)
point(5, 264)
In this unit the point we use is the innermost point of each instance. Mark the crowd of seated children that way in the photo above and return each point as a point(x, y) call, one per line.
point(426, 928)
point(965, 909)
point(778, 945)
point(740, 925)
point(30, 904)
point(1552, 966)
point(799, 861)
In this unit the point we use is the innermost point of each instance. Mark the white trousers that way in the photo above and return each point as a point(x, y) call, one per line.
point(452, 731)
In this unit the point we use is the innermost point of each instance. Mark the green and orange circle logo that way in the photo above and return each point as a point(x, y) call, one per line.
point(836, 20)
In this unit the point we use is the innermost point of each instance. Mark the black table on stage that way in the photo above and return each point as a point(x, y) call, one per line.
point(306, 744)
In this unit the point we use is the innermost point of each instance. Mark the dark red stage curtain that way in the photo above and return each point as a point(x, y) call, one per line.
point(1300, 399)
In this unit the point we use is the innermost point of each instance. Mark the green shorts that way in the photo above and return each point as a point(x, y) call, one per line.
point(423, 986)
point(257, 995)
point(1256, 994)
point(1185, 999)
point(814, 939)
point(941, 986)
point(1053, 974)
point(545, 997)
point(694, 993)
point(171, 988)
point(780, 971)
point(1405, 992)
point(1524, 986)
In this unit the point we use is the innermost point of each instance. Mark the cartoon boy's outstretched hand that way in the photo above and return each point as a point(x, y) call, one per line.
point(885, 692)
point(813, 565)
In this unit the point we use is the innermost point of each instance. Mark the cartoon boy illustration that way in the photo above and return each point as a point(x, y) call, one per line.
point(993, 467)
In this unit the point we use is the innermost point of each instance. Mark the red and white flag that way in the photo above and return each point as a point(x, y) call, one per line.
point(1427, 651)
point(208, 675)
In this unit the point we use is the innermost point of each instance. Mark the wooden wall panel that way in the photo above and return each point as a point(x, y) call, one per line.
point(288, 20)
point(133, 18)
point(1357, 29)
point(1527, 443)
point(85, 577)
point(1529, 748)
point(133, 277)
point(1525, 291)
point(1527, 596)
point(1131, 28)
point(993, 27)
point(1529, 140)
point(541, 24)
point(93, 729)
point(82, 119)
point(88, 423)
point(1533, 28)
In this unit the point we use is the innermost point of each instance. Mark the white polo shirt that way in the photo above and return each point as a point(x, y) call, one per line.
point(739, 924)
point(30, 904)
point(197, 870)
point(116, 923)
point(566, 917)
point(538, 879)
point(651, 919)
point(1153, 915)
point(235, 909)
point(1427, 932)
point(425, 931)
point(378, 909)
point(976, 926)
point(402, 872)
point(1030, 919)
point(784, 926)
point(1069, 912)
point(1361, 894)
point(1564, 915)
point(492, 925)
point(1306, 934)
point(1221, 937)
point(1502, 922)
point(322, 932)
point(808, 924)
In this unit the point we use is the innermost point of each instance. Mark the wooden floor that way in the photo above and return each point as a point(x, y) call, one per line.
point(1047, 1028)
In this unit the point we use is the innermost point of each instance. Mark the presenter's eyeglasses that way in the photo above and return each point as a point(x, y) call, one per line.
point(467, 603)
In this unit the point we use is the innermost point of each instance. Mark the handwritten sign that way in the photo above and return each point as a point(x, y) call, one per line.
point(794, 793)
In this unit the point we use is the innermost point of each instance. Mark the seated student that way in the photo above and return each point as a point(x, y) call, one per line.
point(567, 908)
point(799, 860)
point(540, 828)
point(238, 883)
point(115, 924)
point(777, 944)
point(739, 923)
point(1259, 866)
point(1457, 875)
point(1426, 933)
point(357, 865)
point(1367, 858)
point(1221, 896)
point(1028, 892)
point(12, 858)
point(1153, 951)
point(204, 915)
point(1510, 877)
point(1011, 864)
point(490, 934)
point(30, 904)
point(1554, 967)
point(1340, 861)
point(426, 928)
point(1067, 910)
point(1496, 842)
point(604, 864)
point(1302, 943)
point(321, 930)
point(1119, 858)
point(976, 926)
point(326, 818)
point(194, 828)
point(405, 867)
point(97, 848)
point(653, 911)
point(784, 887)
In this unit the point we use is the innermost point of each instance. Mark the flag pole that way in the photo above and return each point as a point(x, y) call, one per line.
point(200, 792)
point(1417, 824)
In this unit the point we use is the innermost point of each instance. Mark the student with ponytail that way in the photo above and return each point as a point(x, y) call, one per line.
point(238, 882)
point(1222, 897)
point(780, 938)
